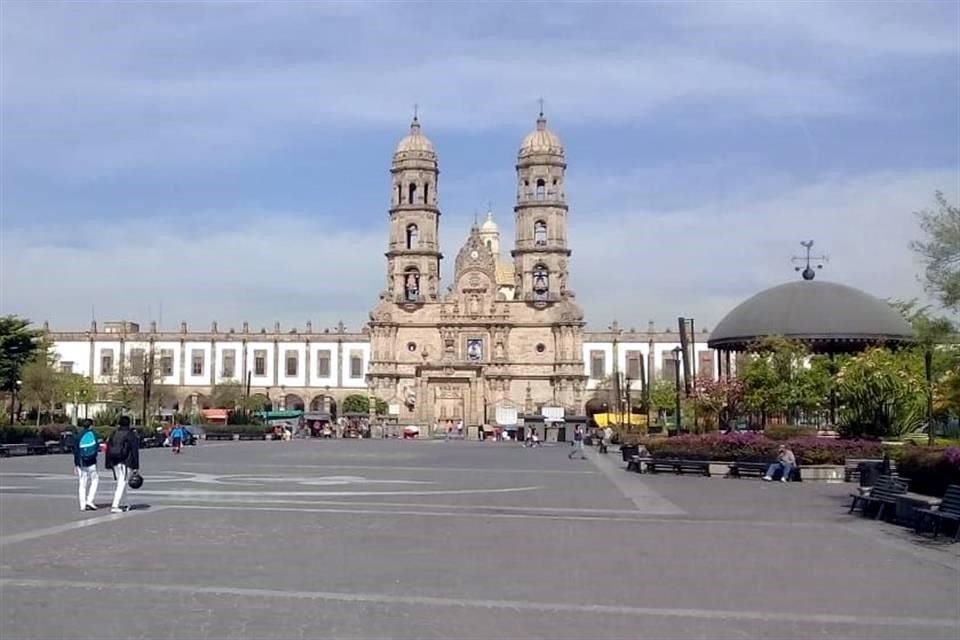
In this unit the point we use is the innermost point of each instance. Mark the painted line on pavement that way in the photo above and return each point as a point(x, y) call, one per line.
point(72, 526)
point(392, 468)
point(509, 605)
point(387, 508)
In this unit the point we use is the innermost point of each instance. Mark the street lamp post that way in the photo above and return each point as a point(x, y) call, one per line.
point(14, 401)
point(676, 361)
point(928, 369)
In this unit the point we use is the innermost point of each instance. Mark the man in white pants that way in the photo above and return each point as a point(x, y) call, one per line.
point(123, 456)
point(85, 449)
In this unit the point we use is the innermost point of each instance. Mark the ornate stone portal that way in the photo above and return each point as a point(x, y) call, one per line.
point(503, 336)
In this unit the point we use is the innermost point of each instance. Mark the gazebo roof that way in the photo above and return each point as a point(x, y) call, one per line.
point(827, 316)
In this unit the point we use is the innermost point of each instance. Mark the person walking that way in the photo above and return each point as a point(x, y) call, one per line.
point(85, 449)
point(123, 456)
point(577, 443)
point(176, 438)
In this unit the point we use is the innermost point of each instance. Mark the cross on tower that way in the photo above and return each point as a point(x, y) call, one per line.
point(808, 272)
point(541, 106)
point(416, 111)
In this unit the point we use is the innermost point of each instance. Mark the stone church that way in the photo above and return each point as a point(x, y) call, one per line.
point(505, 337)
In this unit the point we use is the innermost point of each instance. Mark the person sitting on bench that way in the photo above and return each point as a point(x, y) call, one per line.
point(786, 461)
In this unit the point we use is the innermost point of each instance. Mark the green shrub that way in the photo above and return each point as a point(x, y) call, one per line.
point(930, 470)
point(787, 432)
point(751, 447)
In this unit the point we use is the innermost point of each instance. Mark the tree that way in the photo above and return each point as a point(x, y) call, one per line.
point(780, 376)
point(227, 395)
point(42, 383)
point(663, 398)
point(883, 393)
point(717, 400)
point(941, 251)
point(357, 403)
point(18, 344)
point(79, 390)
point(134, 387)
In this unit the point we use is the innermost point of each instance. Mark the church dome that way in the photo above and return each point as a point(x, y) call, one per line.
point(489, 226)
point(541, 140)
point(415, 141)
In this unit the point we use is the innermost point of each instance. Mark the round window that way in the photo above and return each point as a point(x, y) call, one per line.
point(541, 348)
point(411, 346)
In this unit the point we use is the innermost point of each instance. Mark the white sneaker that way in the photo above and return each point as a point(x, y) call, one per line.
point(116, 510)
point(783, 479)
point(83, 508)
point(767, 478)
point(91, 506)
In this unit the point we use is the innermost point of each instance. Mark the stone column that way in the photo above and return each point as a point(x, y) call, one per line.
point(183, 362)
point(306, 371)
point(340, 363)
point(213, 362)
point(276, 362)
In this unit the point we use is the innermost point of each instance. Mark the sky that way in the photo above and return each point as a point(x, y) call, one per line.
point(230, 162)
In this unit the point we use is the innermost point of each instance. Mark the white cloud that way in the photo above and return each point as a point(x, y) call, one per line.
point(89, 91)
point(631, 263)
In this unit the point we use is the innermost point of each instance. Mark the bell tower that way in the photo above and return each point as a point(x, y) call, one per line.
point(413, 255)
point(540, 251)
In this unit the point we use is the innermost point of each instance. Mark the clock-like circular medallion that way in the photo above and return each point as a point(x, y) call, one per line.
point(474, 254)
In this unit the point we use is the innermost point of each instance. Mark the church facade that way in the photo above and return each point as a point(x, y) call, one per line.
point(503, 339)
point(506, 336)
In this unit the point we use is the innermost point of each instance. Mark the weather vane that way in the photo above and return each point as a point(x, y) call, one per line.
point(808, 272)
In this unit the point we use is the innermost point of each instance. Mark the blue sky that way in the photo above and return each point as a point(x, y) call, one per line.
point(229, 161)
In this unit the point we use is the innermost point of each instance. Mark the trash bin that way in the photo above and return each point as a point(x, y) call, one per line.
point(627, 450)
point(869, 472)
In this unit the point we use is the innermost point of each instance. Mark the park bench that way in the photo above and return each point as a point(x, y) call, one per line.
point(949, 510)
point(9, 450)
point(884, 492)
point(35, 446)
point(851, 468)
point(678, 467)
point(635, 463)
point(748, 469)
point(758, 470)
point(219, 436)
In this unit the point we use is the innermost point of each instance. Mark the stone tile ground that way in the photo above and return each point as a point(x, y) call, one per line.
point(349, 539)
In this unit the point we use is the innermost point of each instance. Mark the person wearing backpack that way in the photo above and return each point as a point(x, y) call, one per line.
point(85, 450)
point(123, 456)
point(176, 438)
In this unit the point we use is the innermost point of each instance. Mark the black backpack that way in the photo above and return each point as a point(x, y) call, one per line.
point(119, 446)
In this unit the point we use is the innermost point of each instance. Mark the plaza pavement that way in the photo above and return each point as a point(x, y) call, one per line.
point(411, 539)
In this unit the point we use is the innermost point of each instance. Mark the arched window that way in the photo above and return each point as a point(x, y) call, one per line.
point(412, 193)
point(541, 282)
point(541, 189)
point(411, 284)
point(426, 193)
point(413, 236)
point(540, 233)
point(399, 194)
point(490, 245)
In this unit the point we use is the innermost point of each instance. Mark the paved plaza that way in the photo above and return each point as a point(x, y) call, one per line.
point(411, 539)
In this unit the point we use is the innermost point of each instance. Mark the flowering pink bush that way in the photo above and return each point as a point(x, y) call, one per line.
point(753, 447)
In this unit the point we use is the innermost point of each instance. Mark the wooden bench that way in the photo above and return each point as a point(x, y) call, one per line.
point(219, 436)
point(851, 468)
point(949, 510)
point(635, 463)
point(883, 493)
point(35, 446)
point(678, 467)
point(748, 469)
point(17, 449)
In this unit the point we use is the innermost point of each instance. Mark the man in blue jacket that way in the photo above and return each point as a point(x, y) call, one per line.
point(85, 449)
